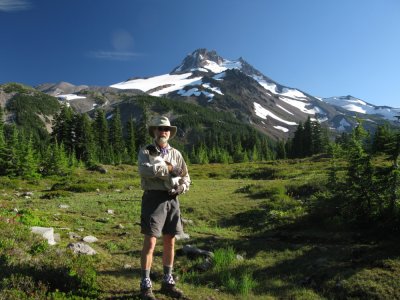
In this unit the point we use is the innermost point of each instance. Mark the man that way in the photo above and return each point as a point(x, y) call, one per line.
point(160, 206)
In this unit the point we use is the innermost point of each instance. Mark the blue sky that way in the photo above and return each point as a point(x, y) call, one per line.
point(325, 48)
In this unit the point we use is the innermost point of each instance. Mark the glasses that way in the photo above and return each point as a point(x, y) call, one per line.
point(162, 128)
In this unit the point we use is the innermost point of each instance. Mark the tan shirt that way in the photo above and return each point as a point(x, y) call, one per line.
point(153, 176)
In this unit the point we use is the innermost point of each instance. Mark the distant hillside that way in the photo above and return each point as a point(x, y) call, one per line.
point(29, 109)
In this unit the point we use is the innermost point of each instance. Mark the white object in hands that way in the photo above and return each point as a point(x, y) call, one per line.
point(156, 160)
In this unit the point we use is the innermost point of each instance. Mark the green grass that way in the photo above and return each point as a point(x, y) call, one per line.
point(257, 211)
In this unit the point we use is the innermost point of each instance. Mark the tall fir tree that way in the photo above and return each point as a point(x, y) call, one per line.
point(116, 138)
point(63, 128)
point(100, 130)
point(85, 148)
point(297, 144)
point(142, 136)
point(28, 168)
point(2, 136)
point(131, 140)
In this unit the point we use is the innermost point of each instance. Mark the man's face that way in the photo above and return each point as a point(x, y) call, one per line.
point(162, 134)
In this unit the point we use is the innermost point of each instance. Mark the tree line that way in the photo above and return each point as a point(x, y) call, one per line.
point(78, 140)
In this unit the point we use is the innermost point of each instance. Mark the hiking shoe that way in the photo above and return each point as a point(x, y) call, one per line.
point(147, 294)
point(172, 291)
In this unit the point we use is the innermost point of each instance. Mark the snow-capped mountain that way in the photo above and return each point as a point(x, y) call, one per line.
point(234, 85)
point(360, 107)
point(206, 78)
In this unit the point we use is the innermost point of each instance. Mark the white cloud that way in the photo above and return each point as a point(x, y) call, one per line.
point(14, 5)
point(122, 47)
point(114, 55)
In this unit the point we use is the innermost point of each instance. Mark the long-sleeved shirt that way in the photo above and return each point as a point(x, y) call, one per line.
point(153, 176)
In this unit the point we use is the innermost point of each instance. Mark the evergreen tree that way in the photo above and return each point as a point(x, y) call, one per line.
point(2, 137)
point(142, 136)
point(57, 161)
point(382, 138)
point(3, 150)
point(12, 155)
point(297, 144)
point(100, 130)
point(131, 141)
point(28, 167)
point(116, 139)
point(63, 128)
point(85, 144)
point(281, 150)
point(307, 139)
point(317, 143)
point(202, 155)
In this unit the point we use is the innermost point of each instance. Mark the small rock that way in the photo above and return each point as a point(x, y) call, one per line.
point(120, 226)
point(187, 221)
point(63, 206)
point(80, 229)
point(127, 266)
point(182, 236)
point(190, 250)
point(81, 248)
point(90, 239)
point(73, 235)
point(110, 211)
point(46, 232)
point(239, 257)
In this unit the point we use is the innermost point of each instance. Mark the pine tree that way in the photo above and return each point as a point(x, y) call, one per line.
point(142, 136)
point(116, 139)
point(307, 139)
point(382, 138)
point(317, 145)
point(100, 130)
point(57, 161)
point(85, 145)
point(28, 168)
point(3, 150)
point(63, 129)
point(12, 154)
point(131, 141)
point(281, 150)
point(2, 137)
point(297, 144)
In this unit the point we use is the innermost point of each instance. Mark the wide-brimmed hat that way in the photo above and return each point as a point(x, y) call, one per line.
point(164, 122)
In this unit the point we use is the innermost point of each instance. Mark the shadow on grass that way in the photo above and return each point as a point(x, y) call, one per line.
point(305, 257)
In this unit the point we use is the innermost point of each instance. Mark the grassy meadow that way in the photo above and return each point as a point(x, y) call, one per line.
point(252, 216)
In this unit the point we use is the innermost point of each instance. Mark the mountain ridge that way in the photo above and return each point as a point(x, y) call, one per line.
point(202, 78)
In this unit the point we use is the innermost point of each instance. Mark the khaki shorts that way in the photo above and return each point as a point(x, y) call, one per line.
point(160, 214)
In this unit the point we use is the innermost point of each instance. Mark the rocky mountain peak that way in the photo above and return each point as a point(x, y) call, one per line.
point(197, 60)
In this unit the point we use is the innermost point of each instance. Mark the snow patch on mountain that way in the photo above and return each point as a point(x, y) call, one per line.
point(214, 89)
point(281, 128)
point(196, 92)
point(358, 106)
point(68, 97)
point(343, 124)
point(284, 109)
point(292, 93)
point(301, 105)
point(219, 76)
point(264, 113)
point(170, 83)
point(218, 68)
